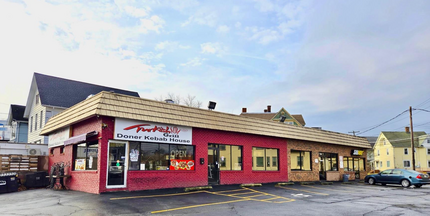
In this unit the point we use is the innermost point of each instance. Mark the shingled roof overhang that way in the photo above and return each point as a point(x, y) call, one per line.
point(128, 107)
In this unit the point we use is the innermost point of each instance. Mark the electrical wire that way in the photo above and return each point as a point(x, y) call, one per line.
point(383, 122)
point(422, 110)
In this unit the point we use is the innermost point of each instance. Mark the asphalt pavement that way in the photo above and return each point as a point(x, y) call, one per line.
point(270, 199)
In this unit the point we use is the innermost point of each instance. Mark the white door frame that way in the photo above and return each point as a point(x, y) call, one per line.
point(125, 164)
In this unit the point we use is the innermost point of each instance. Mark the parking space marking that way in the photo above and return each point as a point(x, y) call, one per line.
point(201, 205)
point(324, 194)
point(330, 189)
point(258, 193)
point(161, 195)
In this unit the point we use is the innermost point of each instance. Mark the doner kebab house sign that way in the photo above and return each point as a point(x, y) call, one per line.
point(133, 130)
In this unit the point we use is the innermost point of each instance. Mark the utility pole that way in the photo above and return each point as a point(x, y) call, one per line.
point(353, 132)
point(412, 139)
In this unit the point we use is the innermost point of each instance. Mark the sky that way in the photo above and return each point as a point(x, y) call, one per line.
point(344, 65)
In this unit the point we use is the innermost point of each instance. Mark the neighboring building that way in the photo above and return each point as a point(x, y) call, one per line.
point(4, 131)
point(370, 154)
point(51, 95)
point(18, 124)
point(118, 142)
point(281, 116)
point(393, 150)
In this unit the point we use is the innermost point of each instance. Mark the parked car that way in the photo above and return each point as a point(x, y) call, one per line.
point(403, 177)
point(373, 172)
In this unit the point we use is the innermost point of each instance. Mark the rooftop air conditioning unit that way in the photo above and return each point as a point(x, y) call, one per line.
point(34, 151)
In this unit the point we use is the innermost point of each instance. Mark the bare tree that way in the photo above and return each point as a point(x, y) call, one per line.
point(190, 101)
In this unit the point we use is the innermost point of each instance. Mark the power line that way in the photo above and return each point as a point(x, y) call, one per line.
point(422, 110)
point(384, 122)
point(426, 101)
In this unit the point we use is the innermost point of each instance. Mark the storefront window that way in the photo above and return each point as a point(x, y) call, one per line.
point(264, 159)
point(301, 160)
point(230, 157)
point(329, 161)
point(154, 156)
point(353, 164)
point(85, 156)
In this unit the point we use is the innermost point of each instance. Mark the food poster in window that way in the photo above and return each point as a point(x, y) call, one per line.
point(79, 164)
point(176, 164)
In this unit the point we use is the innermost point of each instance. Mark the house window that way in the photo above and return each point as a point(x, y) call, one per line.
point(406, 163)
point(376, 164)
point(37, 99)
point(384, 142)
point(230, 157)
point(155, 156)
point(380, 164)
point(428, 151)
point(41, 118)
point(35, 123)
point(378, 152)
point(85, 156)
point(301, 160)
point(261, 159)
point(428, 163)
point(406, 151)
point(388, 164)
point(61, 149)
point(31, 124)
point(51, 151)
point(388, 151)
point(428, 140)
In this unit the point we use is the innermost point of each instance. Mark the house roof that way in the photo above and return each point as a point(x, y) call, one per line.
point(372, 140)
point(271, 116)
point(64, 93)
point(402, 139)
point(124, 106)
point(16, 113)
point(300, 119)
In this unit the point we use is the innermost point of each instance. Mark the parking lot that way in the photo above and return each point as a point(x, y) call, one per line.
point(270, 199)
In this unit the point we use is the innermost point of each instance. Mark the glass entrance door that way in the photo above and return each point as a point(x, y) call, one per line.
point(322, 167)
point(213, 165)
point(117, 164)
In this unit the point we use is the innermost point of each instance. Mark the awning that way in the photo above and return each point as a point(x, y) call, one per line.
point(80, 138)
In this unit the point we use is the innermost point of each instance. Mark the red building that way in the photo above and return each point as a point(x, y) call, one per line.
point(117, 142)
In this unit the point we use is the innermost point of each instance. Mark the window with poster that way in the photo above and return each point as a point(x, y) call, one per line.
point(157, 156)
point(85, 156)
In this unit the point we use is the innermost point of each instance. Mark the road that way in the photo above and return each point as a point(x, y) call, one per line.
point(336, 199)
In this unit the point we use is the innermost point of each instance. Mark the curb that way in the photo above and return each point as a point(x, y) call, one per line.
point(348, 183)
point(251, 185)
point(284, 183)
point(307, 183)
point(198, 188)
point(326, 183)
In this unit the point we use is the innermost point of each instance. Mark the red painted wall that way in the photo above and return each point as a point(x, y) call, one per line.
point(95, 181)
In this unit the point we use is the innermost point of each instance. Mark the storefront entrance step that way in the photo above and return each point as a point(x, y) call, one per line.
point(251, 185)
point(307, 183)
point(326, 183)
point(198, 188)
point(285, 183)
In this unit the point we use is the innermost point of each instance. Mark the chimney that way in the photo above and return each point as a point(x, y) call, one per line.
point(265, 110)
point(407, 130)
point(244, 110)
point(269, 108)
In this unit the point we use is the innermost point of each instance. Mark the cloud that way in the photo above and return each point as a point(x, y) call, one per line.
point(212, 48)
point(193, 62)
point(155, 23)
point(204, 16)
point(170, 46)
point(223, 29)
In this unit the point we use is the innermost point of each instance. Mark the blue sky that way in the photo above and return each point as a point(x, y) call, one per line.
point(343, 65)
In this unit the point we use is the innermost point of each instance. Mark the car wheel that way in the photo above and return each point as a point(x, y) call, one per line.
point(405, 183)
point(371, 181)
point(418, 186)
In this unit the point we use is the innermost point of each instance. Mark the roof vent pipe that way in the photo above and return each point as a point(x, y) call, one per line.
point(244, 110)
point(269, 108)
point(265, 110)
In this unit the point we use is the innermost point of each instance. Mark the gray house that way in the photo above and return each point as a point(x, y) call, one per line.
point(50, 95)
point(18, 124)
